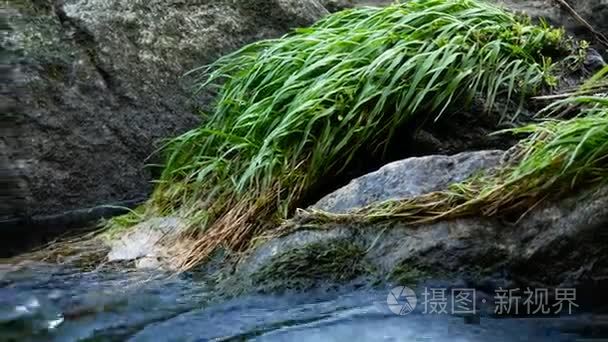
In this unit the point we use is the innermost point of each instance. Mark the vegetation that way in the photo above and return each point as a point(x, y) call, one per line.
point(307, 267)
point(556, 157)
point(293, 110)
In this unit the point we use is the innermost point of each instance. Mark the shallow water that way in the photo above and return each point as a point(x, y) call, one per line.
point(50, 303)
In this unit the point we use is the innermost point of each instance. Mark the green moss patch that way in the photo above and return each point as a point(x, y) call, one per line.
point(315, 264)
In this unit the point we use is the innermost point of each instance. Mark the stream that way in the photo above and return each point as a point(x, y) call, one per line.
point(42, 302)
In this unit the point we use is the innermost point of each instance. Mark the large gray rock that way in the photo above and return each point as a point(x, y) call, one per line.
point(91, 86)
point(408, 178)
point(558, 243)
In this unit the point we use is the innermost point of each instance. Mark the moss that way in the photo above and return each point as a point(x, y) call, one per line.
point(406, 274)
point(115, 226)
point(306, 267)
point(38, 37)
point(57, 71)
point(32, 7)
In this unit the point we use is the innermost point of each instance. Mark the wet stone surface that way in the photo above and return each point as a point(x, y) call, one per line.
point(42, 302)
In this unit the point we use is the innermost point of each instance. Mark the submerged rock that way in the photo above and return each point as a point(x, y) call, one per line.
point(90, 86)
point(558, 243)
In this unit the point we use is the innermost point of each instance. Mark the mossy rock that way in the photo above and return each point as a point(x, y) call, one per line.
point(32, 7)
point(409, 274)
point(312, 265)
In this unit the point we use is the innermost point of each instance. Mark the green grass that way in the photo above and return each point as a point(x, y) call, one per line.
point(294, 110)
point(558, 156)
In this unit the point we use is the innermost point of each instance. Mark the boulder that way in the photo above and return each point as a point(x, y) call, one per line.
point(408, 178)
point(401, 179)
point(90, 88)
point(559, 243)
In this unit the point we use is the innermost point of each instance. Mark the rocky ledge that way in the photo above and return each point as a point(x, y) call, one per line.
point(558, 243)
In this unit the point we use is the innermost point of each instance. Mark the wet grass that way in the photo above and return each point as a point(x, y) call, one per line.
point(294, 110)
point(558, 156)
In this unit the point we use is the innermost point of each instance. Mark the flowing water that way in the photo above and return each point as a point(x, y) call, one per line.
point(51, 303)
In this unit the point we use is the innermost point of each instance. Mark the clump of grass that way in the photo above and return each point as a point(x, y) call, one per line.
point(556, 157)
point(293, 110)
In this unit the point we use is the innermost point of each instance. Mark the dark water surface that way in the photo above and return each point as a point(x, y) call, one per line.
point(51, 303)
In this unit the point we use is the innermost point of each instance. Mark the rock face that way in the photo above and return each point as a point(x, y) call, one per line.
point(91, 86)
point(336, 5)
point(560, 243)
